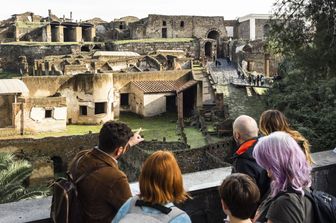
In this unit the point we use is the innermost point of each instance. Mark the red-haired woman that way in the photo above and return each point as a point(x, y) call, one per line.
point(161, 185)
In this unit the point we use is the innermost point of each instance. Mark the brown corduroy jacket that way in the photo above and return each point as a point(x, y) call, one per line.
point(102, 192)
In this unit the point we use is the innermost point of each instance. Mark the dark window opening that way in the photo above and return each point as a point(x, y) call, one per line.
point(82, 110)
point(164, 23)
point(164, 32)
point(120, 26)
point(48, 113)
point(182, 24)
point(100, 108)
point(124, 101)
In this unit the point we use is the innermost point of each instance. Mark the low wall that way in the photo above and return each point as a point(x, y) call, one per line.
point(65, 148)
point(205, 206)
point(144, 48)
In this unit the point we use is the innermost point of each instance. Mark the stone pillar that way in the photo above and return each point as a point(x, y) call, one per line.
point(267, 65)
point(47, 34)
point(252, 29)
point(92, 33)
point(199, 101)
point(59, 34)
point(78, 34)
point(180, 108)
point(116, 105)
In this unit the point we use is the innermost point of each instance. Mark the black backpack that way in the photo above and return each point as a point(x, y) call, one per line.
point(324, 206)
point(65, 205)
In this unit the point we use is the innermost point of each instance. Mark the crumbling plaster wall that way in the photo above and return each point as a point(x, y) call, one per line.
point(82, 89)
point(33, 118)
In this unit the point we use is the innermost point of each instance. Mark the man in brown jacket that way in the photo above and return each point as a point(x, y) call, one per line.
point(105, 188)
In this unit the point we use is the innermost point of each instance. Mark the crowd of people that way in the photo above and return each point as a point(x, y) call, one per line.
point(270, 174)
point(256, 80)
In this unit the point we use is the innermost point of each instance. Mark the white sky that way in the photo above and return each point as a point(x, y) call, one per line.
point(110, 9)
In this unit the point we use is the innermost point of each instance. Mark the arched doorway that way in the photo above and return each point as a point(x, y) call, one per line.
point(208, 50)
point(215, 35)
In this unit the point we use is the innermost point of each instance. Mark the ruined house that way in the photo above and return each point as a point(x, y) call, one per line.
point(108, 61)
point(97, 98)
point(22, 112)
point(210, 31)
point(30, 27)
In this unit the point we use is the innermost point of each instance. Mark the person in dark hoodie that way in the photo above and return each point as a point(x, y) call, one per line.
point(245, 133)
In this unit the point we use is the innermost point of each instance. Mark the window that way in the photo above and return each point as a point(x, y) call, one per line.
point(82, 110)
point(124, 99)
point(100, 108)
point(164, 23)
point(182, 24)
point(48, 113)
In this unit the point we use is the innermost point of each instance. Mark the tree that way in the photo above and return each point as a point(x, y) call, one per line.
point(13, 173)
point(304, 31)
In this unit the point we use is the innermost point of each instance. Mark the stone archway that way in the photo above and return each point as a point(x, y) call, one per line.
point(215, 35)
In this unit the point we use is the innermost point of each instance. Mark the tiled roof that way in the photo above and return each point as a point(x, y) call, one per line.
point(155, 86)
point(163, 86)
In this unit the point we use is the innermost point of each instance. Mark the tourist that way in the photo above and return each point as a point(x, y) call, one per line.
point(286, 165)
point(274, 120)
point(239, 197)
point(249, 79)
point(105, 188)
point(245, 133)
point(161, 185)
point(254, 80)
point(258, 79)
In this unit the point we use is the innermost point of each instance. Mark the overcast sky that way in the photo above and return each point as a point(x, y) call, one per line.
point(110, 9)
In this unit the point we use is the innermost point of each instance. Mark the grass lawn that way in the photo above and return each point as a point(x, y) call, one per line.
point(154, 128)
point(153, 40)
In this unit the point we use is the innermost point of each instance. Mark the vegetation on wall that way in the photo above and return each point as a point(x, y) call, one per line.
point(305, 33)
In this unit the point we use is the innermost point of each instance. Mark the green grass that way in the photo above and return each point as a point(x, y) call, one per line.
point(194, 137)
point(154, 40)
point(8, 75)
point(154, 127)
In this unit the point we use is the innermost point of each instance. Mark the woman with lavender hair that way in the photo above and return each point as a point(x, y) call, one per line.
point(286, 165)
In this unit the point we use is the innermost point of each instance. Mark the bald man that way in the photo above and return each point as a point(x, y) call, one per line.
point(245, 133)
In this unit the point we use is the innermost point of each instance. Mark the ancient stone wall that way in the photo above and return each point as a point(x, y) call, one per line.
point(244, 30)
point(65, 148)
point(260, 28)
point(191, 48)
point(163, 26)
point(11, 52)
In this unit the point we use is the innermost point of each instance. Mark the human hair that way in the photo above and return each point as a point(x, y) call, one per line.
point(274, 120)
point(161, 180)
point(282, 157)
point(246, 126)
point(241, 194)
point(113, 135)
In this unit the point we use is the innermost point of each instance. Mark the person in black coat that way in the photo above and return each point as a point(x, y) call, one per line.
point(245, 133)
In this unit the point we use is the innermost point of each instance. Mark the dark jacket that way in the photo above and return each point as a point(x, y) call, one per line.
point(103, 191)
point(243, 162)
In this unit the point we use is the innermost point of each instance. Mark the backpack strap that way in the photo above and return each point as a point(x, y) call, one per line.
point(167, 213)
